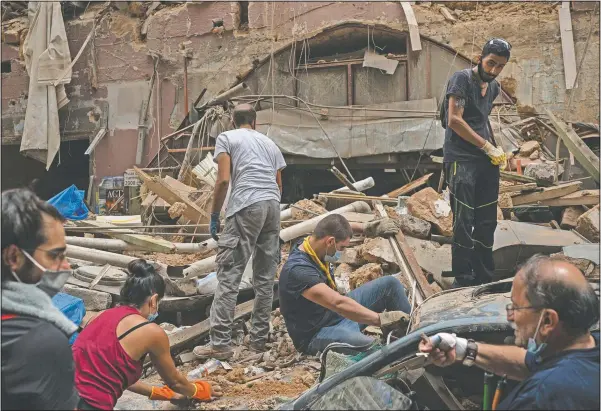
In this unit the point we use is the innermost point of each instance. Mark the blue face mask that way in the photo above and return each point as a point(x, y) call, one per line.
point(535, 348)
point(333, 258)
point(154, 316)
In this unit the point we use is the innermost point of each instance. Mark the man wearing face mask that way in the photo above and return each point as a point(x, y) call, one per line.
point(471, 163)
point(316, 314)
point(552, 310)
point(37, 364)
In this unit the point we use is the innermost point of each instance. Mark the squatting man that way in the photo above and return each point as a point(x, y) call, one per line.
point(556, 357)
point(316, 314)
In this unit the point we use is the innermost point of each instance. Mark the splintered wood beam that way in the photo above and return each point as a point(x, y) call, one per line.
point(576, 146)
point(172, 194)
point(144, 241)
point(407, 188)
point(546, 194)
point(583, 197)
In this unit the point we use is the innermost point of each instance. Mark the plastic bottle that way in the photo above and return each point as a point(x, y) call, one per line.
point(204, 370)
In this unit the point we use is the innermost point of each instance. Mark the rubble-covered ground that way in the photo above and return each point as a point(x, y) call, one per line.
point(255, 382)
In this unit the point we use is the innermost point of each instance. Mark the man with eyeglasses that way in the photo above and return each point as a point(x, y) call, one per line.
point(37, 363)
point(556, 357)
point(472, 161)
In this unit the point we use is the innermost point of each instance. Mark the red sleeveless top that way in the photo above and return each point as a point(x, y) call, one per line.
point(103, 370)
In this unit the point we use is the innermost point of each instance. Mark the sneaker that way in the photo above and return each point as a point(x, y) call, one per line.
point(204, 352)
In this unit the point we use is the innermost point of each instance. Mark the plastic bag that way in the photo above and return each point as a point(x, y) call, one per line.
point(69, 203)
point(207, 285)
point(73, 308)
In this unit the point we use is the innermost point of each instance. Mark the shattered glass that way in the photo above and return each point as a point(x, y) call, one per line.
point(362, 393)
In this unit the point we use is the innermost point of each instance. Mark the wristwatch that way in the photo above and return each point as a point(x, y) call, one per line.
point(470, 353)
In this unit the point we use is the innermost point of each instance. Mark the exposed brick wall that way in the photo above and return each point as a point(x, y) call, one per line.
point(534, 75)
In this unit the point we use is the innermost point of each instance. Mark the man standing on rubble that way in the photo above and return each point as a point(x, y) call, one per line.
point(316, 314)
point(552, 310)
point(472, 162)
point(252, 225)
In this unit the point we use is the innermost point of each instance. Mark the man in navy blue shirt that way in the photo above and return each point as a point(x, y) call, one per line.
point(552, 309)
point(315, 312)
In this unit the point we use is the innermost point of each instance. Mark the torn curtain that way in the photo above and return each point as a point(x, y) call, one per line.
point(47, 55)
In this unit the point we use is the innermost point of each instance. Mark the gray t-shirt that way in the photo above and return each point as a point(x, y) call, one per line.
point(255, 161)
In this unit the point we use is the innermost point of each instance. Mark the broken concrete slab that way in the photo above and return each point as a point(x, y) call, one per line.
point(365, 274)
point(433, 258)
point(587, 224)
point(529, 147)
point(92, 299)
point(542, 171)
point(378, 250)
point(569, 217)
point(352, 256)
point(423, 205)
point(535, 155)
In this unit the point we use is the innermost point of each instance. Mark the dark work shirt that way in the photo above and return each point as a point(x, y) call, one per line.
point(568, 380)
point(466, 85)
point(37, 366)
point(303, 318)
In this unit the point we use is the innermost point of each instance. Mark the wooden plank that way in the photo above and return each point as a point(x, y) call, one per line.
point(342, 178)
point(576, 146)
point(546, 194)
point(171, 194)
point(407, 260)
point(517, 187)
point(348, 199)
point(567, 46)
point(584, 197)
point(407, 188)
point(129, 236)
point(416, 44)
point(509, 176)
point(198, 331)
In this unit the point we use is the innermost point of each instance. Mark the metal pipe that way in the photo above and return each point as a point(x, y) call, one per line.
point(208, 264)
point(233, 92)
point(112, 244)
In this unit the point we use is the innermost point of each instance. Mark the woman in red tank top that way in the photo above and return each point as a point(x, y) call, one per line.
point(110, 351)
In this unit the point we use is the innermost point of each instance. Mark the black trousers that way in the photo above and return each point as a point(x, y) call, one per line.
point(474, 188)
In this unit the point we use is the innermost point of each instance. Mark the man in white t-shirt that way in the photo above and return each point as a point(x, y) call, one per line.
point(254, 164)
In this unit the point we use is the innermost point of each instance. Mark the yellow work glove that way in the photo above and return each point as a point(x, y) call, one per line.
point(161, 393)
point(496, 154)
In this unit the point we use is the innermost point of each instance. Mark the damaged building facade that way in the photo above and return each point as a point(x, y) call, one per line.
point(317, 53)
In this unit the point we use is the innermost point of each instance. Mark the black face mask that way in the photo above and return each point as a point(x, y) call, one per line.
point(484, 76)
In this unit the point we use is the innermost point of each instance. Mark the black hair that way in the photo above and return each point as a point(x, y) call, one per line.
point(577, 308)
point(498, 47)
point(244, 114)
point(23, 221)
point(333, 225)
point(142, 282)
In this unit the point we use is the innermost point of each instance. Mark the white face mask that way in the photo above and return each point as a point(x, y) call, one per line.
point(52, 281)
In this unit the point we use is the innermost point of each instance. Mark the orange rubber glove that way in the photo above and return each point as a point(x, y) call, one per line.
point(203, 390)
point(163, 393)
